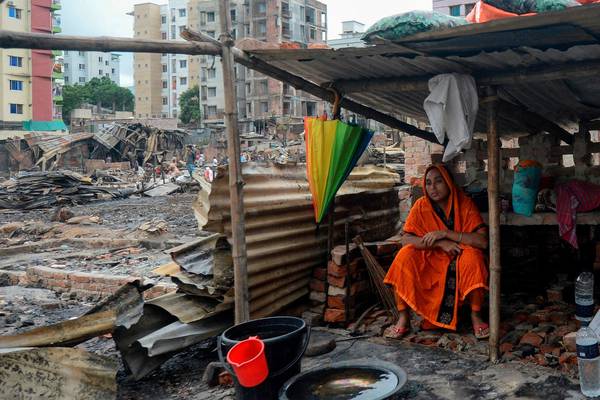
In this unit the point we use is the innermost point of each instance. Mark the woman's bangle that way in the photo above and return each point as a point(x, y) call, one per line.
point(460, 237)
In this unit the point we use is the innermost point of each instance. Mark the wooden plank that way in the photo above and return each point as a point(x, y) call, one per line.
point(494, 223)
point(236, 183)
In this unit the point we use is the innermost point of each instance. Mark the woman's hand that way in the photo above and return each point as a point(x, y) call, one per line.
point(449, 247)
point(430, 238)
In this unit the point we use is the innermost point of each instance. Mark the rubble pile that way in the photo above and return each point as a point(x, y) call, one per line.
point(32, 190)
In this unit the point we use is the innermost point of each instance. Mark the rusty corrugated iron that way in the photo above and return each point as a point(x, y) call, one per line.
point(283, 242)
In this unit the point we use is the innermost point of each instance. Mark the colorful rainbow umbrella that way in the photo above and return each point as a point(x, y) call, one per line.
point(332, 150)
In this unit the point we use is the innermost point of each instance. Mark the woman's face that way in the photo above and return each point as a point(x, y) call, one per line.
point(435, 185)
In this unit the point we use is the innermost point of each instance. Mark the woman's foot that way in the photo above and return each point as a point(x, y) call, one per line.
point(400, 329)
point(480, 328)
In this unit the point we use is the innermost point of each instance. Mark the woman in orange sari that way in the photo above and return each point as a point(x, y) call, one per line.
point(441, 263)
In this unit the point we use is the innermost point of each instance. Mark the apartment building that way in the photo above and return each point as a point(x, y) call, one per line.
point(259, 97)
point(29, 76)
point(455, 8)
point(82, 66)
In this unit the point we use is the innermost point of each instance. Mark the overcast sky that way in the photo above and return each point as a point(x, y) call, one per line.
point(109, 17)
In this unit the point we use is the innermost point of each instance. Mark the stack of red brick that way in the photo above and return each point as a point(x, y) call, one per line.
point(342, 288)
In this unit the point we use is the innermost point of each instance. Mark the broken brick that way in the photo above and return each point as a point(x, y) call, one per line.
point(569, 341)
point(333, 315)
point(317, 285)
point(531, 338)
point(320, 273)
point(336, 281)
point(568, 358)
point(338, 253)
point(337, 302)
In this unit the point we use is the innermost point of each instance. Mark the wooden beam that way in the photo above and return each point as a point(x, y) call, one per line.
point(195, 36)
point(23, 40)
point(534, 121)
point(584, 69)
point(494, 222)
point(236, 182)
point(42, 41)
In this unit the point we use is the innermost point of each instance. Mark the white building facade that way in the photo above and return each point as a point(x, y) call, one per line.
point(455, 8)
point(82, 66)
point(352, 32)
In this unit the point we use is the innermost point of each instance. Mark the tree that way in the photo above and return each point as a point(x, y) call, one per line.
point(189, 104)
point(101, 92)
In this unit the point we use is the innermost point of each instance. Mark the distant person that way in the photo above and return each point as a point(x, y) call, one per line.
point(191, 158)
point(173, 169)
point(215, 162)
point(208, 174)
point(243, 158)
point(201, 160)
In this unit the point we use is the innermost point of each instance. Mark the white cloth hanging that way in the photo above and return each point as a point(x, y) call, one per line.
point(452, 109)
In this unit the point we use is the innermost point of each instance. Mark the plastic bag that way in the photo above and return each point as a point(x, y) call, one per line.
point(526, 184)
point(401, 25)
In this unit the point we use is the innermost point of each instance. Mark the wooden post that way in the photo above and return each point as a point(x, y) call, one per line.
point(494, 221)
point(236, 184)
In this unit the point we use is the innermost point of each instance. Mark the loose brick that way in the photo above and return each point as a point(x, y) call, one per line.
point(317, 285)
point(506, 348)
point(338, 253)
point(320, 273)
point(531, 338)
point(317, 297)
point(337, 302)
point(569, 340)
point(335, 281)
point(80, 277)
point(568, 358)
point(333, 315)
point(336, 291)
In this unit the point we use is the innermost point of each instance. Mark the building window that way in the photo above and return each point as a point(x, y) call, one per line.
point(182, 12)
point(100, 59)
point(165, 101)
point(455, 11)
point(323, 19)
point(324, 36)
point(16, 85)
point(212, 73)
point(248, 88)
point(66, 66)
point(106, 62)
point(163, 19)
point(248, 108)
point(182, 63)
point(313, 33)
point(262, 7)
point(100, 72)
point(232, 13)
point(262, 28)
point(310, 15)
point(16, 108)
point(81, 53)
point(212, 92)
point(212, 111)
point(112, 71)
point(181, 28)
point(66, 79)
point(15, 61)
point(183, 81)
point(173, 32)
point(81, 79)
point(14, 12)
point(165, 84)
point(164, 68)
point(264, 88)
point(211, 33)
point(82, 67)
point(264, 107)
point(210, 17)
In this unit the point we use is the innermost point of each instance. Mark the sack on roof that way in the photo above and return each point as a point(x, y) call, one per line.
point(530, 6)
point(401, 25)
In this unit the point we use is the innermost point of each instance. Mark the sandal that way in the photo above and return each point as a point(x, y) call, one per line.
point(481, 331)
point(393, 332)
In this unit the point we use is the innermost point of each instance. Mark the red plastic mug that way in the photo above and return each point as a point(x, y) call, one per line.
point(249, 362)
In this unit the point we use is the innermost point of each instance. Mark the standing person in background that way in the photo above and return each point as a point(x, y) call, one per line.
point(190, 159)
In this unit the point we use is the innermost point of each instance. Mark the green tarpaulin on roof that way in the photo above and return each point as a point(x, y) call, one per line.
point(44, 126)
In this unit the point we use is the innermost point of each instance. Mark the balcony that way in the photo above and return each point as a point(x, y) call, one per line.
point(57, 53)
point(58, 99)
point(56, 29)
point(57, 75)
point(56, 5)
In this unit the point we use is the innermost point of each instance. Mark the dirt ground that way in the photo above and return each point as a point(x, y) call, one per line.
point(439, 366)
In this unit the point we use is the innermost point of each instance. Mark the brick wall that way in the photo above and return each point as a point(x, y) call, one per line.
point(83, 284)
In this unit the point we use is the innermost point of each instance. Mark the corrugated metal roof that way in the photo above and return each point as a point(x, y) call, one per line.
point(52, 145)
point(506, 45)
point(283, 242)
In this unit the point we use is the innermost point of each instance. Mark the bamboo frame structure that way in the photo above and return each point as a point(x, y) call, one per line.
point(494, 219)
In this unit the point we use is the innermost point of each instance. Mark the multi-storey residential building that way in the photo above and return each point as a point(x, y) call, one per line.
point(456, 8)
point(352, 32)
point(259, 97)
point(26, 88)
point(82, 66)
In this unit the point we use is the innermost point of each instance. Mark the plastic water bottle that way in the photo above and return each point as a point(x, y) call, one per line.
point(584, 297)
point(588, 361)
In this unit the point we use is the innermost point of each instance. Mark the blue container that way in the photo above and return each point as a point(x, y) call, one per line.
point(526, 184)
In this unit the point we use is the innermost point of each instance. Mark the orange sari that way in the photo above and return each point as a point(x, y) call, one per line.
point(432, 282)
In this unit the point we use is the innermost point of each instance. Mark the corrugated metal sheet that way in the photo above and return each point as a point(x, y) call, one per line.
point(108, 136)
point(283, 242)
point(53, 145)
point(499, 46)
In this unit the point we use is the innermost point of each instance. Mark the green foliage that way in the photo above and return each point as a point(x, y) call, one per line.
point(98, 91)
point(189, 104)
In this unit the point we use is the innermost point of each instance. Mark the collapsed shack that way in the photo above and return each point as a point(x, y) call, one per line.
point(121, 144)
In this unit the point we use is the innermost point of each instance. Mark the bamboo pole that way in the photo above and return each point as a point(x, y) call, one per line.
point(236, 184)
point(24, 40)
point(494, 221)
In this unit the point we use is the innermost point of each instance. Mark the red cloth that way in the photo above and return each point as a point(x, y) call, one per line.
point(573, 197)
